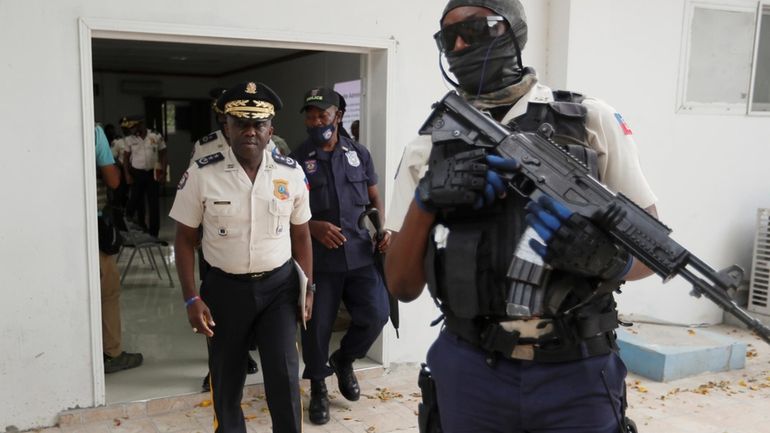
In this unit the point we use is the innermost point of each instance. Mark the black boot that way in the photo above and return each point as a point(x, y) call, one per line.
point(348, 383)
point(206, 385)
point(319, 402)
point(251, 366)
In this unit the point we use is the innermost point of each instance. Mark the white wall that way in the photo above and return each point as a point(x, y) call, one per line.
point(708, 171)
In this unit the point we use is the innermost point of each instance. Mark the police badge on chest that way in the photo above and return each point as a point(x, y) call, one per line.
point(353, 160)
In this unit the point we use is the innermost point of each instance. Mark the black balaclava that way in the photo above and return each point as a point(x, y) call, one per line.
point(488, 67)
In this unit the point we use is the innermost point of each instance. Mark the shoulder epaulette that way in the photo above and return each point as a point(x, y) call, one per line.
point(285, 160)
point(210, 159)
point(208, 138)
point(567, 96)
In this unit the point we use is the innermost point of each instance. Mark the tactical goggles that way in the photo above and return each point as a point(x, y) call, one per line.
point(472, 31)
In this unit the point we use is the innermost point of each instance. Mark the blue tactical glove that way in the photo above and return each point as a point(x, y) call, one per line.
point(464, 179)
point(573, 243)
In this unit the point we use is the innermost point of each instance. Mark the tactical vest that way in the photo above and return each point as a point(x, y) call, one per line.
point(470, 251)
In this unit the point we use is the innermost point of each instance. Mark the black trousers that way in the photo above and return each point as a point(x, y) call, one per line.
point(264, 311)
point(145, 187)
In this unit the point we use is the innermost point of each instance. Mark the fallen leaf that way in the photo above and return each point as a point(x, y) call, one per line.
point(691, 332)
point(204, 403)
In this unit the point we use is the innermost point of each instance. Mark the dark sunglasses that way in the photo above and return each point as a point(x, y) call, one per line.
point(472, 31)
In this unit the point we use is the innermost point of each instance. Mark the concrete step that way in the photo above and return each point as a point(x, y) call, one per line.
point(666, 352)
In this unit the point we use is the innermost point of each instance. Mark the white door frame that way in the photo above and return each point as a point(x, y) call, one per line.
point(378, 61)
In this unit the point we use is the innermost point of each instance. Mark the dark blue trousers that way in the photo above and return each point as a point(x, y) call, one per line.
point(264, 311)
point(365, 297)
point(514, 396)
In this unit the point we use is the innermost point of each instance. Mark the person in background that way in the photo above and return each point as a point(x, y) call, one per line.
point(108, 177)
point(354, 129)
point(144, 159)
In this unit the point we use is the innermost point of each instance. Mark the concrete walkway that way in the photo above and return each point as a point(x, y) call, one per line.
point(729, 402)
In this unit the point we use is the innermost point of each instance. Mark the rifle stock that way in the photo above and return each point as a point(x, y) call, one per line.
point(547, 168)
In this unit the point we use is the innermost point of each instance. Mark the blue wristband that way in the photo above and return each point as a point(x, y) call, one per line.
point(191, 301)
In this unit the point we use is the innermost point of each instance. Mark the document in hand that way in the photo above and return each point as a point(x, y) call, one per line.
point(302, 291)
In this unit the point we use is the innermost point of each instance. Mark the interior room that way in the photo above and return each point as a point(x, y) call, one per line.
point(169, 85)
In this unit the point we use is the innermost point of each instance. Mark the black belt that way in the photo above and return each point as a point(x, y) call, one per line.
point(253, 276)
point(490, 337)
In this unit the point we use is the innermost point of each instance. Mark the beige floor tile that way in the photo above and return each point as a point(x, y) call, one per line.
point(133, 426)
point(175, 422)
point(100, 427)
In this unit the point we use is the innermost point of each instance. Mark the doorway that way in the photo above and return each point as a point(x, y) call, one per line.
point(150, 86)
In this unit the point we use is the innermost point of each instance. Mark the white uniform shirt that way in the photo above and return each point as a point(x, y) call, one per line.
point(216, 142)
point(118, 146)
point(607, 134)
point(245, 226)
point(144, 152)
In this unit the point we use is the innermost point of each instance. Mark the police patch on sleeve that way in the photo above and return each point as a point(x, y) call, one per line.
point(284, 160)
point(311, 166)
point(210, 159)
point(210, 137)
point(182, 181)
point(623, 125)
point(353, 158)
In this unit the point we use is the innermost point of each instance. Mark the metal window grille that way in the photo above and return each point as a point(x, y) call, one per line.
point(760, 269)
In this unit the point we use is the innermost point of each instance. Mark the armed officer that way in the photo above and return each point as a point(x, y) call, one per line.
point(555, 369)
point(343, 184)
point(254, 208)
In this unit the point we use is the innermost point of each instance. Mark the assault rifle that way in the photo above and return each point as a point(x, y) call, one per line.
point(547, 168)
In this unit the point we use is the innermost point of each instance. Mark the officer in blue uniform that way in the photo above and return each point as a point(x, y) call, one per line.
point(342, 185)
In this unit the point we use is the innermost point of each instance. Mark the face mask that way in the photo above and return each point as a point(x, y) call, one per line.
point(320, 134)
point(486, 67)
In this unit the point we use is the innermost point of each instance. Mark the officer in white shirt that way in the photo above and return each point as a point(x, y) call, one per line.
point(254, 208)
point(145, 167)
point(209, 145)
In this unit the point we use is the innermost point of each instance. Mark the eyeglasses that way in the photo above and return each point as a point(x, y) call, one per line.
point(472, 31)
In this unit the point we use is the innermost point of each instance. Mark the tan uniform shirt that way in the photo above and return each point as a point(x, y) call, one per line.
point(213, 143)
point(245, 225)
point(144, 152)
point(607, 134)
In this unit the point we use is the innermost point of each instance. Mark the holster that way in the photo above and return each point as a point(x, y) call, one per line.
point(428, 418)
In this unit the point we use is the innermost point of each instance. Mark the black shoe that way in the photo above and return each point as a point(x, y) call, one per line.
point(251, 367)
point(124, 361)
point(319, 402)
point(345, 377)
point(206, 385)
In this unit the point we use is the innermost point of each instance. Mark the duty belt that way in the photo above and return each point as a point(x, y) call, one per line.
point(542, 340)
point(253, 276)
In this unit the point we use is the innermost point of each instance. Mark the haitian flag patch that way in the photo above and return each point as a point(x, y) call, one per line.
point(623, 125)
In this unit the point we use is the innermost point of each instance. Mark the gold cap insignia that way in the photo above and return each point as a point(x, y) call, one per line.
point(251, 88)
point(250, 109)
